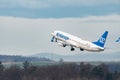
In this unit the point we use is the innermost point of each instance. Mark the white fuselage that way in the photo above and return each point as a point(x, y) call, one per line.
point(74, 41)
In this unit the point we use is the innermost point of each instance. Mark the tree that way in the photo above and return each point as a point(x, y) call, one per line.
point(13, 73)
point(61, 60)
point(100, 71)
point(26, 65)
point(1, 70)
point(85, 70)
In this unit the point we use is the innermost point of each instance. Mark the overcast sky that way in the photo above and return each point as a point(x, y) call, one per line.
point(25, 25)
point(58, 8)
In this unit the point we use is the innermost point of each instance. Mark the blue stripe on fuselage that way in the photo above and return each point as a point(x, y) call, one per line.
point(62, 36)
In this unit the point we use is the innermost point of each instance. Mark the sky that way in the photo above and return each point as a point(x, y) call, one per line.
point(25, 25)
point(58, 8)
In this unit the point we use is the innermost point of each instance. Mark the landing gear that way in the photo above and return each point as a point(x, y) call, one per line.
point(72, 49)
point(52, 40)
point(81, 49)
point(55, 39)
point(64, 45)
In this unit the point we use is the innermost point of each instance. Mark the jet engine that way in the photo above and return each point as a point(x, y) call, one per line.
point(60, 43)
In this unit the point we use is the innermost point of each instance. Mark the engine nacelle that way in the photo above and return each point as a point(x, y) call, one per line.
point(61, 44)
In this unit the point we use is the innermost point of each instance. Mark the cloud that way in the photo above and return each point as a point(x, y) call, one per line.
point(109, 18)
point(23, 4)
point(106, 18)
point(26, 36)
point(53, 3)
point(58, 8)
point(85, 2)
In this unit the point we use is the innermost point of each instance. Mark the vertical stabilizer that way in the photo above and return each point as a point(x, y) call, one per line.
point(102, 40)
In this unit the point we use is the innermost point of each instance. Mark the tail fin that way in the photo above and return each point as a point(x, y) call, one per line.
point(102, 39)
point(118, 40)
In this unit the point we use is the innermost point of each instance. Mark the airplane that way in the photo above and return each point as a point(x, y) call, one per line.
point(65, 39)
point(118, 40)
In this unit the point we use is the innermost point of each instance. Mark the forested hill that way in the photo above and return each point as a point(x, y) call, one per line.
point(14, 58)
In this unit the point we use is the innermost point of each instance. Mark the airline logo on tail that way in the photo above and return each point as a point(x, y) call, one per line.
point(102, 40)
point(65, 39)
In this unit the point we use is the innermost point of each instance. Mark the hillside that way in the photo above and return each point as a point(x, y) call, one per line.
point(82, 57)
point(14, 58)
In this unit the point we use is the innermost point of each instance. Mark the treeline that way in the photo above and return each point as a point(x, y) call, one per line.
point(63, 71)
point(14, 58)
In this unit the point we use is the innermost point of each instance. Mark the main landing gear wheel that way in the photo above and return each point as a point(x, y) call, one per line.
point(81, 49)
point(55, 39)
point(64, 45)
point(72, 49)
